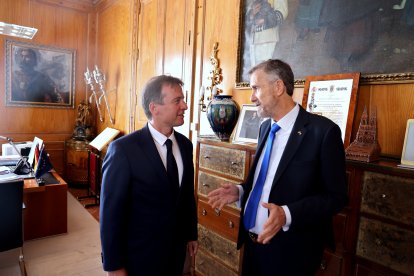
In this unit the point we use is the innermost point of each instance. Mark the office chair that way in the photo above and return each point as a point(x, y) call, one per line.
point(11, 218)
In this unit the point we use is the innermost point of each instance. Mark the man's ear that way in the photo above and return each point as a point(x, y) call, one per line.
point(152, 108)
point(279, 87)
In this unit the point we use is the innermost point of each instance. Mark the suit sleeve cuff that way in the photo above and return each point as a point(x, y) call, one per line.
point(288, 218)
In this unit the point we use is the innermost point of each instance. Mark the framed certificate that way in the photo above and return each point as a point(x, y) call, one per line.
point(333, 96)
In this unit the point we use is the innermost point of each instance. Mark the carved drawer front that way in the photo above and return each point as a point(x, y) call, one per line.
point(387, 245)
point(339, 223)
point(221, 248)
point(208, 266)
point(330, 265)
point(220, 221)
point(208, 183)
point(388, 196)
point(227, 161)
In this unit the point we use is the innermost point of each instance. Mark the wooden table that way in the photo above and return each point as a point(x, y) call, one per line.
point(46, 209)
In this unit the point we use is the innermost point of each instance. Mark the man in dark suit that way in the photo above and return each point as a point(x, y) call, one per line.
point(301, 188)
point(148, 216)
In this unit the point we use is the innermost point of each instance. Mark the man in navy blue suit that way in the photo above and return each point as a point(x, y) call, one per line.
point(148, 216)
point(303, 185)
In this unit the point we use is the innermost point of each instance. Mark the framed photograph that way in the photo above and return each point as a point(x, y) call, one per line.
point(39, 76)
point(248, 124)
point(333, 96)
point(407, 157)
point(328, 37)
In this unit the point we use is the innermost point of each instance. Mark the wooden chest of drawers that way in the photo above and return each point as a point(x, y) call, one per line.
point(386, 226)
point(217, 163)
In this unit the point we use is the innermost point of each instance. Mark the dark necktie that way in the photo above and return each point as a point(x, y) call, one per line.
point(249, 218)
point(172, 169)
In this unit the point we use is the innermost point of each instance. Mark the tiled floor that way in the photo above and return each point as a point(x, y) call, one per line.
point(79, 191)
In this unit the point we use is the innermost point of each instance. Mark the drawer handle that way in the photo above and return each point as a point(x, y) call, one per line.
point(228, 252)
point(378, 242)
point(234, 163)
point(231, 224)
point(383, 196)
point(217, 211)
point(323, 265)
point(204, 212)
point(206, 157)
point(206, 185)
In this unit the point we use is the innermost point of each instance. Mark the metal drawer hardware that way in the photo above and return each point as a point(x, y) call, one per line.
point(206, 185)
point(231, 224)
point(217, 211)
point(383, 196)
point(378, 242)
point(204, 212)
point(206, 157)
point(234, 163)
point(228, 252)
point(323, 265)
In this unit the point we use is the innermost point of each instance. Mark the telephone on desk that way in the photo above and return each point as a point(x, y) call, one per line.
point(22, 167)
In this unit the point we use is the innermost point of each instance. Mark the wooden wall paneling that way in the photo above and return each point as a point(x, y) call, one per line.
point(166, 46)
point(136, 8)
point(113, 57)
point(198, 65)
point(178, 26)
point(148, 39)
point(220, 25)
point(59, 26)
point(81, 5)
point(395, 105)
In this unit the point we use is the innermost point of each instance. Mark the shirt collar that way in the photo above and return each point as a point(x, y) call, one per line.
point(287, 122)
point(159, 137)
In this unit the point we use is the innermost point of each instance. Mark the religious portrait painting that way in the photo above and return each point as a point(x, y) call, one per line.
point(39, 76)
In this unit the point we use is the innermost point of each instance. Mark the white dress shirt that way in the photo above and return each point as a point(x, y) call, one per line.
point(279, 144)
point(159, 140)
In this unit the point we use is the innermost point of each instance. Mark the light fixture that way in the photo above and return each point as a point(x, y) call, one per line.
point(17, 30)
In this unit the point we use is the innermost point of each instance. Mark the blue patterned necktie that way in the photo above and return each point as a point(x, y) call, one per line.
point(253, 203)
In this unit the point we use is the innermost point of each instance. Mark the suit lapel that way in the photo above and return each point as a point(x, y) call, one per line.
point(184, 157)
point(293, 143)
point(148, 146)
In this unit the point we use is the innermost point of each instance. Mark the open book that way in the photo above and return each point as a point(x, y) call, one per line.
point(104, 138)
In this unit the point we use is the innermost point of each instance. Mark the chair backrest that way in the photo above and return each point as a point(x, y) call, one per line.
point(11, 215)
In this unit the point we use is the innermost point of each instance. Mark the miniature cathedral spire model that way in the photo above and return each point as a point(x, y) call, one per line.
point(365, 147)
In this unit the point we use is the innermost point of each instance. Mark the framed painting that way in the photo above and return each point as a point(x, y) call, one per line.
point(39, 76)
point(248, 124)
point(319, 37)
point(333, 96)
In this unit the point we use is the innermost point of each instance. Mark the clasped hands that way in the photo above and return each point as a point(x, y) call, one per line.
point(229, 193)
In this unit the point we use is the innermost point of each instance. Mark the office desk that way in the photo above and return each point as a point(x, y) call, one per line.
point(46, 208)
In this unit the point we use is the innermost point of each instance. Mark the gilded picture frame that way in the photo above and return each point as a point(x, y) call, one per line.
point(327, 37)
point(39, 75)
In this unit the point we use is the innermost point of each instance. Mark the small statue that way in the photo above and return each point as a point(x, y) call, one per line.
point(83, 123)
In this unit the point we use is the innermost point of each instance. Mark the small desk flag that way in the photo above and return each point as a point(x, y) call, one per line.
point(43, 164)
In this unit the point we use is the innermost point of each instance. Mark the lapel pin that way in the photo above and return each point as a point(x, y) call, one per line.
point(300, 132)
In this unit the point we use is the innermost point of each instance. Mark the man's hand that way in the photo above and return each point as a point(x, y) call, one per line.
point(273, 224)
point(192, 247)
point(228, 193)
